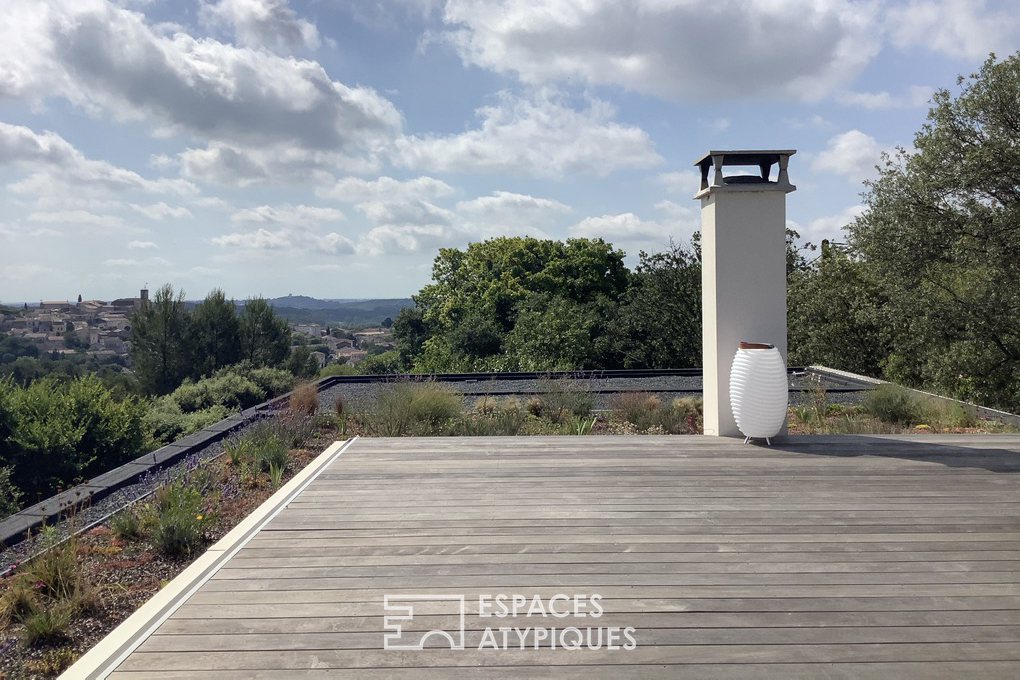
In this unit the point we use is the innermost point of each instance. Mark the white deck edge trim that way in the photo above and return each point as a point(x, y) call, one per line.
point(987, 410)
point(113, 649)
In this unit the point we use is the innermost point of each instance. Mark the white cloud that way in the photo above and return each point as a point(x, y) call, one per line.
point(141, 245)
point(409, 223)
point(506, 205)
point(292, 239)
point(916, 96)
point(228, 165)
point(161, 210)
point(106, 58)
point(77, 218)
point(680, 50)
point(831, 226)
point(852, 154)
point(390, 201)
point(957, 28)
point(132, 263)
point(299, 215)
point(627, 228)
point(388, 238)
point(539, 135)
point(357, 190)
point(262, 23)
point(55, 165)
point(681, 182)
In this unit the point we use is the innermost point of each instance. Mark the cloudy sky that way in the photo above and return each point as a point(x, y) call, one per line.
point(330, 147)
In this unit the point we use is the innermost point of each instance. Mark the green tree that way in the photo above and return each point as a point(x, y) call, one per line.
point(559, 334)
point(409, 335)
point(265, 337)
point(216, 334)
point(836, 316)
point(301, 362)
point(477, 293)
point(160, 347)
point(380, 364)
point(941, 232)
point(16, 347)
point(660, 319)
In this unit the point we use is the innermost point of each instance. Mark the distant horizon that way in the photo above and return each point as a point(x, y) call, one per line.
point(74, 300)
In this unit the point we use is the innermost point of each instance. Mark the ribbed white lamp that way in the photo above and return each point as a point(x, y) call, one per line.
point(759, 392)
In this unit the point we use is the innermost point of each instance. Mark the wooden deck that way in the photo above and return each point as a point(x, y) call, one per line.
point(824, 557)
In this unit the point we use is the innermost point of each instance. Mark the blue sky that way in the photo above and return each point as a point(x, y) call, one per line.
point(330, 148)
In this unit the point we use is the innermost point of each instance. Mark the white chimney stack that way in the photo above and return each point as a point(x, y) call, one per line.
point(743, 268)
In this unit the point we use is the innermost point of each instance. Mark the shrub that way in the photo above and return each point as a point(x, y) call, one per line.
point(564, 399)
point(635, 407)
point(272, 381)
point(180, 524)
point(893, 404)
point(9, 494)
point(500, 422)
point(276, 474)
point(19, 600)
point(127, 524)
point(269, 442)
point(165, 422)
point(304, 399)
point(412, 408)
point(233, 391)
point(535, 406)
point(484, 405)
point(49, 624)
point(69, 430)
point(193, 422)
point(944, 415)
point(338, 369)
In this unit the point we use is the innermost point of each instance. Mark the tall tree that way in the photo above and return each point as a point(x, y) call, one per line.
point(660, 319)
point(216, 334)
point(837, 315)
point(265, 337)
point(942, 233)
point(478, 292)
point(160, 351)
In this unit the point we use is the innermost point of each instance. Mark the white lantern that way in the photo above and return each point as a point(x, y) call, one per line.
point(759, 392)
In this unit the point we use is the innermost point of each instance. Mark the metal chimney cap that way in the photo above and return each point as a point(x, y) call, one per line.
point(746, 157)
point(764, 159)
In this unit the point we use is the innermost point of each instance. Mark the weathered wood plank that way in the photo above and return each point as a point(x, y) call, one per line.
point(700, 654)
point(525, 638)
point(232, 620)
point(944, 670)
point(317, 603)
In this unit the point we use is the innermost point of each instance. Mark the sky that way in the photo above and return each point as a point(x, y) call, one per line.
point(330, 148)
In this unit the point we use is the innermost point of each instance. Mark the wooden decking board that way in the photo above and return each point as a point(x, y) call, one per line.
point(946, 670)
point(660, 654)
point(323, 603)
point(232, 621)
point(286, 639)
point(834, 557)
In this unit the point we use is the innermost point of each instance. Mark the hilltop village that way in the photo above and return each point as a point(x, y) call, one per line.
point(103, 330)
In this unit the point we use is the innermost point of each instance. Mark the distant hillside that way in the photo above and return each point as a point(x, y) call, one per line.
point(305, 302)
point(353, 313)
